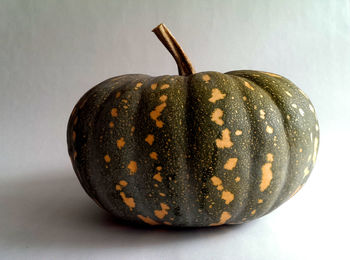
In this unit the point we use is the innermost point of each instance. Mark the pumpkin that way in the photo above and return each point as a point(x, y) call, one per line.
point(195, 149)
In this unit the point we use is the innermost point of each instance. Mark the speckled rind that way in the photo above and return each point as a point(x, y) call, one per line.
point(202, 150)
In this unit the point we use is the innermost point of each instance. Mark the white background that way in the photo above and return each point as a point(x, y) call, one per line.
point(52, 52)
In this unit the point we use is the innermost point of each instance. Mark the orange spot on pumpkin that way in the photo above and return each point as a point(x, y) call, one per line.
point(128, 201)
point(148, 220)
point(227, 197)
point(248, 85)
point(223, 219)
point(162, 212)
point(107, 158)
point(132, 167)
point(123, 183)
point(225, 142)
point(156, 113)
point(149, 139)
point(269, 157)
point(165, 86)
point(238, 132)
point(216, 181)
point(138, 85)
point(158, 177)
point(269, 129)
point(153, 155)
point(206, 78)
point(266, 173)
point(230, 164)
point(216, 95)
point(216, 116)
point(154, 86)
point(114, 112)
point(262, 114)
point(272, 74)
point(163, 98)
point(120, 143)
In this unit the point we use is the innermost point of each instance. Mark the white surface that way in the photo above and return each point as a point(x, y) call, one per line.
point(51, 52)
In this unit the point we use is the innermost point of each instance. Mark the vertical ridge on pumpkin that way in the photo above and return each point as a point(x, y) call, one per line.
point(290, 139)
point(255, 142)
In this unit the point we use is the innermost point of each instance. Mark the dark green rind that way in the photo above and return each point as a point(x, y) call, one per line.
point(186, 146)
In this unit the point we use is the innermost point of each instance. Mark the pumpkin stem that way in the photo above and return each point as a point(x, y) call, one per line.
point(183, 63)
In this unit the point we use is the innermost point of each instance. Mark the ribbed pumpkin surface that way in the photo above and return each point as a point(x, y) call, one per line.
point(199, 150)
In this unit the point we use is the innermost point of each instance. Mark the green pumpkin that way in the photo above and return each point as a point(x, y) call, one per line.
point(200, 149)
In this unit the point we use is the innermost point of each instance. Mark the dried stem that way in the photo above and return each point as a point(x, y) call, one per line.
point(183, 63)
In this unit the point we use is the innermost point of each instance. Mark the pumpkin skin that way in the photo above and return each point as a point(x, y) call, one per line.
point(200, 150)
